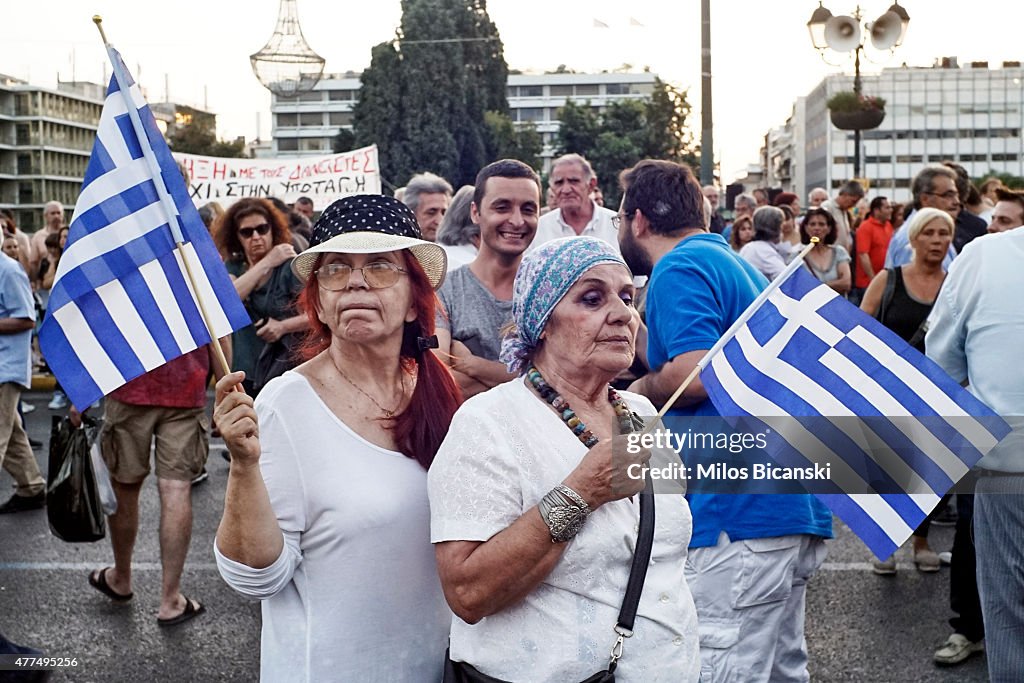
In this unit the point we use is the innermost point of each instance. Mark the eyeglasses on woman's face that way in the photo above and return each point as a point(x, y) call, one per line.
point(334, 277)
point(246, 233)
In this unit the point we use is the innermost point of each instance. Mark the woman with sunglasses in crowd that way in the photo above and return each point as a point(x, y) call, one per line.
point(326, 517)
point(254, 239)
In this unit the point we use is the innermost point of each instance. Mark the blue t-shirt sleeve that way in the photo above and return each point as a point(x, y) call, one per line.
point(683, 313)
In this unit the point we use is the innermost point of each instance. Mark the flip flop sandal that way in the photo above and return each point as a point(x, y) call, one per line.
point(191, 611)
point(98, 580)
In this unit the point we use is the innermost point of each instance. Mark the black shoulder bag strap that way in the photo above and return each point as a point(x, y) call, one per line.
point(637, 573)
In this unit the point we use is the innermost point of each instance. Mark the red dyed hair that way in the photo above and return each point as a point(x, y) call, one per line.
point(422, 426)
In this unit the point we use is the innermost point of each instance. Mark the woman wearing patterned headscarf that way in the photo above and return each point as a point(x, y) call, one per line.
point(326, 515)
point(532, 517)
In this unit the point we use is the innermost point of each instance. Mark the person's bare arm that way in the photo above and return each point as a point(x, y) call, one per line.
point(873, 294)
point(272, 329)
point(470, 386)
point(261, 270)
point(659, 385)
point(15, 325)
point(865, 265)
point(248, 531)
point(842, 283)
point(489, 373)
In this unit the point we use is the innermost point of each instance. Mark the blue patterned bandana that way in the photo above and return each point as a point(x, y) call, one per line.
point(543, 278)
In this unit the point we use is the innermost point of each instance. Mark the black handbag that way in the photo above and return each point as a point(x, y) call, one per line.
point(275, 359)
point(461, 672)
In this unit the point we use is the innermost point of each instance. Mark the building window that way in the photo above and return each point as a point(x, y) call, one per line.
point(531, 114)
point(311, 144)
point(311, 96)
point(288, 144)
point(315, 119)
point(617, 89)
point(287, 120)
point(561, 90)
point(341, 118)
point(586, 90)
point(513, 91)
point(342, 95)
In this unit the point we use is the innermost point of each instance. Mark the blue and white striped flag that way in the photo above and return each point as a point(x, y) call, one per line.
point(837, 386)
point(121, 303)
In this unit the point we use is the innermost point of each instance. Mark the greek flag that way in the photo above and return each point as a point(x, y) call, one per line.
point(122, 302)
point(839, 387)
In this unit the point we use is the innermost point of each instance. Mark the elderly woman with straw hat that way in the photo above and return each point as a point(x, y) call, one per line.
point(532, 516)
point(326, 514)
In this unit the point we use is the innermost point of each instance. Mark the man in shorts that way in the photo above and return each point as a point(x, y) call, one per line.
point(166, 404)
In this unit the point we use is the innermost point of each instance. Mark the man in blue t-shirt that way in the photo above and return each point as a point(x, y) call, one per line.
point(750, 555)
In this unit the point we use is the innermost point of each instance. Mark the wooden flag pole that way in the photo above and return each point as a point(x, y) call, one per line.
point(731, 332)
point(170, 210)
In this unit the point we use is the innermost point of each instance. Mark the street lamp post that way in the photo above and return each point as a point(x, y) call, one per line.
point(843, 34)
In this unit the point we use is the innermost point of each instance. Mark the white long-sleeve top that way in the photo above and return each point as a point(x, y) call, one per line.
point(354, 595)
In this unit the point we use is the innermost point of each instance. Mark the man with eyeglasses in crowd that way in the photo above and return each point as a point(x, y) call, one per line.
point(933, 187)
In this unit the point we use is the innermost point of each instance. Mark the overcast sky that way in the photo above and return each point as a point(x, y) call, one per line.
point(762, 58)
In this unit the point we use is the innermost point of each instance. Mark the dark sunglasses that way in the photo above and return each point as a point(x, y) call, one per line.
point(246, 233)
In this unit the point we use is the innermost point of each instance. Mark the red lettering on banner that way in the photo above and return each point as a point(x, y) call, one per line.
point(220, 170)
point(199, 169)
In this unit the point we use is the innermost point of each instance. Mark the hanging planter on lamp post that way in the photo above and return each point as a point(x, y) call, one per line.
point(851, 111)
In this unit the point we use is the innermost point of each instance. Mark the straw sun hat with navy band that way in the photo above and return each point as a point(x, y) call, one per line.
point(369, 224)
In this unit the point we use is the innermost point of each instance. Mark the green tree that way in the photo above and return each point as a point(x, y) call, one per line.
point(1013, 182)
point(344, 141)
point(199, 136)
point(423, 102)
point(578, 129)
point(626, 132)
point(505, 140)
point(376, 118)
point(667, 132)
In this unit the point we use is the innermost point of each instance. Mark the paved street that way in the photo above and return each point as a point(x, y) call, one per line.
point(860, 627)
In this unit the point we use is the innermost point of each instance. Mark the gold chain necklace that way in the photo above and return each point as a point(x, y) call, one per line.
point(387, 413)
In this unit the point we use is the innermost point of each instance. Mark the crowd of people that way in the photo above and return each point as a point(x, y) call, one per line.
point(439, 383)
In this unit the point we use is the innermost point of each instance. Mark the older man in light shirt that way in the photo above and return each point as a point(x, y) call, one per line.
point(572, 180)
point(973, 331)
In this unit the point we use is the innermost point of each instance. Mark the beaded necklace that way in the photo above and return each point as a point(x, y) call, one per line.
point(628, 421)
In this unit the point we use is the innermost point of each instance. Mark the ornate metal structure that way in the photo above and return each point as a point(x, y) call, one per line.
point(287, 65)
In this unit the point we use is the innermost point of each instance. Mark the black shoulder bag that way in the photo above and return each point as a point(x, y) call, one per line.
point(461, 672)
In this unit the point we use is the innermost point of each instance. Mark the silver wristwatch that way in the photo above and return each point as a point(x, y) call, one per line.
point(564, 511)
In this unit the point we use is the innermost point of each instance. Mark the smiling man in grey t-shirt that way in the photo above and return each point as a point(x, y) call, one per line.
point(478, 296)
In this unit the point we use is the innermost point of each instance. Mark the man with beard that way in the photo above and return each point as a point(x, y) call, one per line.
point(760, 548)
point(478, 297)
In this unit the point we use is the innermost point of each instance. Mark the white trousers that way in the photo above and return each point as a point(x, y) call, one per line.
point(750, 598)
